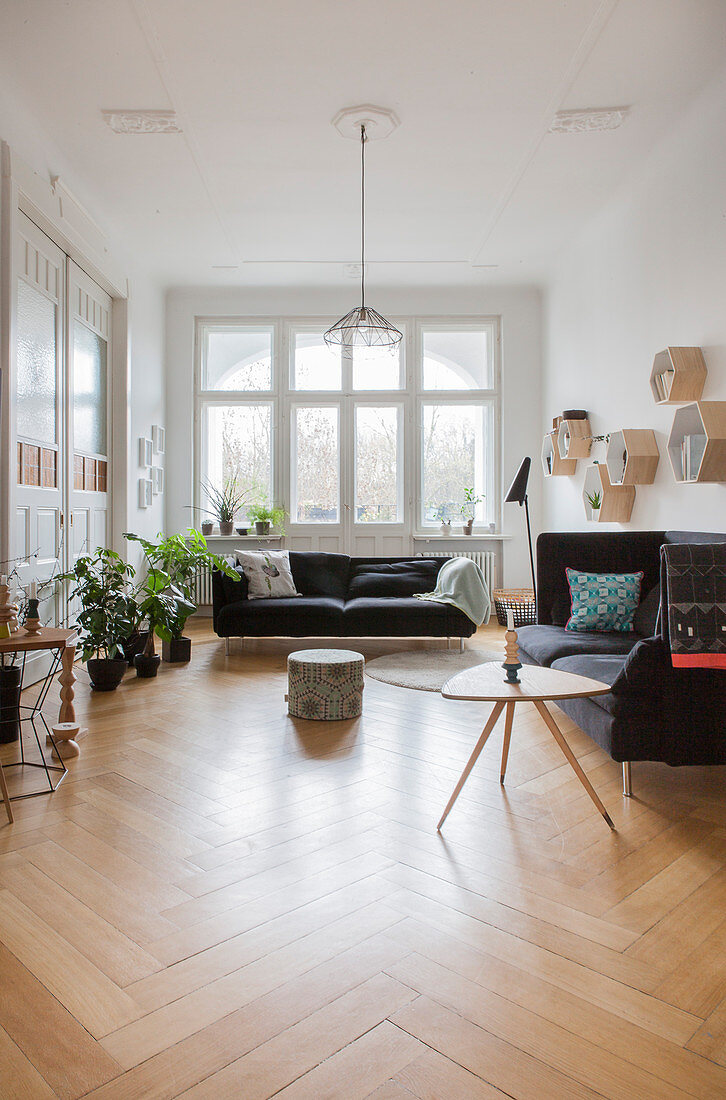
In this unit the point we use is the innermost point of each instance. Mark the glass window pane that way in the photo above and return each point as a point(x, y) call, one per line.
point(376, 369)
point(377, 484)
point(238, 359)
point(239, 446)
point(457, 454)
point(316, 470)
point(315, 366)
point(89, 391)
point(457, 360)
point(36, 385)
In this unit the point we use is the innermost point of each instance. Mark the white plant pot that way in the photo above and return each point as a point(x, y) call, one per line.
point(595, 513)
point(445, 528)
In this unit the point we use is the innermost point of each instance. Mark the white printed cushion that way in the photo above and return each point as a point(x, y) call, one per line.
point(268, 574)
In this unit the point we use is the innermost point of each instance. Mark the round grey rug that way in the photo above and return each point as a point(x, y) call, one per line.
point(426, 670)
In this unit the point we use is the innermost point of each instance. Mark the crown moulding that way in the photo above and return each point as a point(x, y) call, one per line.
point(142, 122)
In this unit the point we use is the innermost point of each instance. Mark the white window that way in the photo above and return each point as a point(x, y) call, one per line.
point(351, 440)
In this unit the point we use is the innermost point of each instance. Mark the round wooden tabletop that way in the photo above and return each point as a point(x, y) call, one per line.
point(488, 683)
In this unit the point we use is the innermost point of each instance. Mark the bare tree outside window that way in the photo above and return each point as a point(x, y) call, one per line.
point(453, 450)
point(239, 442)
point(317, 483)
point(376, 465)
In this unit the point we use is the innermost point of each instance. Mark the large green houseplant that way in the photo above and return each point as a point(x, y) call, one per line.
point(166, 595)
point(108, 613)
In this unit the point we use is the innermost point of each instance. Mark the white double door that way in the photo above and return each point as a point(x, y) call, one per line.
point(61, 415)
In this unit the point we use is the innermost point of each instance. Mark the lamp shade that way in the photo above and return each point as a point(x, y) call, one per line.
point(517, 492)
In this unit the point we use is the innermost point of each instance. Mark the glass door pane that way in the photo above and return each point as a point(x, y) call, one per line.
point(316, 464)
point(378, 472)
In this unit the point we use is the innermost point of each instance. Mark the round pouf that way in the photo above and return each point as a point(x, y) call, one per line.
point(325, 684)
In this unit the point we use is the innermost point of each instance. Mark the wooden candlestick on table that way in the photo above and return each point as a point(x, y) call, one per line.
point(67, 729)
point(8, 611)
point(512, 663)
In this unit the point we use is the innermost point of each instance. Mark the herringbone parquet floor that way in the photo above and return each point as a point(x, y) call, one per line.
point(222, 902)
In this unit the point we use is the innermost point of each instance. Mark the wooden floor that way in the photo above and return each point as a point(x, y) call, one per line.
point(224, 902)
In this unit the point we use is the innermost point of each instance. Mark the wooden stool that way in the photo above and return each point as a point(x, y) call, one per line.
point(325, 684)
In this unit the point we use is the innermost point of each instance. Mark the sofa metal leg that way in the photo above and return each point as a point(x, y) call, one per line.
point(448, 643)
point(227, 646)
point(461, 645)
point(627, 785)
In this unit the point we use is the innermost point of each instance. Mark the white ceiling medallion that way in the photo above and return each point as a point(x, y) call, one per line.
point(378, 121)
point(588, 119)
point(142, 122)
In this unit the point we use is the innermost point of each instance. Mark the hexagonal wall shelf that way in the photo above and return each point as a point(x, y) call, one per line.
point(617, 500)
point(678, 375)
point(552, 464)
point(632, 456)
point(697, 443)
point(574, 438)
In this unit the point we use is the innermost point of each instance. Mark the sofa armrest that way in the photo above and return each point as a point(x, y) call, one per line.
point(225, 590)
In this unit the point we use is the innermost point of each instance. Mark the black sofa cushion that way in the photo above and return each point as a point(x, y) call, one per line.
point(545, 644)
point(318, 574)
point(290, 617)
point(392, 578)
point(605, 667)
point(645, 620)
point(234, 590)
point(403, 617)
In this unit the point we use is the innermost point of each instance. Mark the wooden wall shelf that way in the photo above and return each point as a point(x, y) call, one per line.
point(632, 456)
point(617, 500)
point(678, 375)
point(552, 464)
point(574, 438)
point(705, 423)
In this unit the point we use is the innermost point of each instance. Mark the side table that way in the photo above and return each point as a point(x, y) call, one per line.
point(62, 645)
point(488, 683)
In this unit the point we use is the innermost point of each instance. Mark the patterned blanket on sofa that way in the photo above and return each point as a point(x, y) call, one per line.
point(695, 602)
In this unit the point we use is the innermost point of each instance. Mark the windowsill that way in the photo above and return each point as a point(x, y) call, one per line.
point(241, 538)
point(474, 537)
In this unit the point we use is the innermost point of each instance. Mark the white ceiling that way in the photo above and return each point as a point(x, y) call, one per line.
point(471, 187)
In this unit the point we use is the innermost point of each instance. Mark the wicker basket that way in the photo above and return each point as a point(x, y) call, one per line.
point(520, 601)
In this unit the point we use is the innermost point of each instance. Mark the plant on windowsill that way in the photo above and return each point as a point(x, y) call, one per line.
point(108, 613)
point(178, 558)
point(265, 516)
point(225, 503)
point(441, 515)
point(468, 509)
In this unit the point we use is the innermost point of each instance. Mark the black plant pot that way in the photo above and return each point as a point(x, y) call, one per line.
point(262, 526)
point(135, 643)
point(9, 703)
point(106, 673)
point(178, 651)
point(147, 667)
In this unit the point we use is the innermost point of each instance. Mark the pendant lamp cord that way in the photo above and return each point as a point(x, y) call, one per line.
point(362, 214)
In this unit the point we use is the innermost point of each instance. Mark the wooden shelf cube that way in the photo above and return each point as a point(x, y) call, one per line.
point(678, 375)
point(617, 500)
point(632, 456)
point(574, 438)
point(705, 423)
point(552, 464)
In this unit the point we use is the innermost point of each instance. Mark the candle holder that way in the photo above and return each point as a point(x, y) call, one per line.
point(512, 663)
point(32, 622)
point(8, 613)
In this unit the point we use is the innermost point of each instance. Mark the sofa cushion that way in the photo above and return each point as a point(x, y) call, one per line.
point(292, 617)
point(234, 590)
point(603, 601)
point(645, 619)
point(402, 617)
point(596, 666)
point(392, 578)
point(545, 644)
point(318, 574)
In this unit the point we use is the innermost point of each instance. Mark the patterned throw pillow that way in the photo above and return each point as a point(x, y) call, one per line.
point(268, 574)
point(603, 601)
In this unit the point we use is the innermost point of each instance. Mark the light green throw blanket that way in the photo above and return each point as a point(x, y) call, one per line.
point(461, 583)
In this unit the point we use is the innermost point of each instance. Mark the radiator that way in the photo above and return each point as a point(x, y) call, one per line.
point(202, 587)
point(485, 559)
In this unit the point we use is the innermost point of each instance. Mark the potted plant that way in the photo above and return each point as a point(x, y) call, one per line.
point(440, 514)
point(108, 613)
point(165, 610)
point(177, 558)
point(595, 502)
point(468, 509)
point(265, 516)
point(224, 502)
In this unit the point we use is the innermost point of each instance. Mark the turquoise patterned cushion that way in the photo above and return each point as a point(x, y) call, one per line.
point(603, 601)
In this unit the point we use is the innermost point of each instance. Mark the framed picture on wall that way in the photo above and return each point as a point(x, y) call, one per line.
point(157, 479)
point(146, 451)
point(158, 438)
point(146, 491)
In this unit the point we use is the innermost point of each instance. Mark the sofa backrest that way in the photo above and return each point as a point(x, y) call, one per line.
point(318, 574)
point(372, 577)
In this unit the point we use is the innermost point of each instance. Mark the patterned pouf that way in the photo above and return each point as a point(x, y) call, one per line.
point(325, 684)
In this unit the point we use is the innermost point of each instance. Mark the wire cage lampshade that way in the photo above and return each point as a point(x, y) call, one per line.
point(363, 327)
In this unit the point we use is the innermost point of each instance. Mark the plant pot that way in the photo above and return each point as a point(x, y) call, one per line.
point(262, 526)
point(595, 513)
point(445, 528)
point(468, 526)
point(207, 527)
point(147, 667)
point(133, 644)
point(9, 704)
point(242, 530)
point(178, 651)
point(106, 673)
point(226, 527)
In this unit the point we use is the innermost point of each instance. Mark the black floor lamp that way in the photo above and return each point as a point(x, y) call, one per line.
point(517, 492)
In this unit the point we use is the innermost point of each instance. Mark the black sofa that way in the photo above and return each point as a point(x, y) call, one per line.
point(653, 712)
point(341, 597)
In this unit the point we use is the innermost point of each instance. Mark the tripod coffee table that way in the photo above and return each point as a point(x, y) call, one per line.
point(488, 683)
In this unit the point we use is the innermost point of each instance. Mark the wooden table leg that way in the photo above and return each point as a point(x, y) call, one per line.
point(572, 759)
point(67, 728)
point(508, 719)
point(491, 723)
point(6, 797)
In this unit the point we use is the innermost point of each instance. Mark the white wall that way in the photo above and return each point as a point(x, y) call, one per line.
point(649, 272)
point(519, 309)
